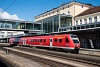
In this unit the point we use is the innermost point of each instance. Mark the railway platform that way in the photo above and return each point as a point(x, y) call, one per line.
point(95, 52)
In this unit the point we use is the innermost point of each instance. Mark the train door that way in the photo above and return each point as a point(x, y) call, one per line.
point(50, 42)
point(24, 41)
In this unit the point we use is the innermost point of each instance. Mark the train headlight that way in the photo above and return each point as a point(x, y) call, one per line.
point(76, 45)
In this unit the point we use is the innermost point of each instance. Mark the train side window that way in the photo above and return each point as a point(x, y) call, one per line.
point(67, 40)
point(35, 40)
point(44, 40)
point(40, 40)
point(60, 40)
point(55, 40)
point(30, 40)
point(20, 40)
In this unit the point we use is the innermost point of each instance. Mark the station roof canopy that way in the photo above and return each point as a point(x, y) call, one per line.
point(15, 20)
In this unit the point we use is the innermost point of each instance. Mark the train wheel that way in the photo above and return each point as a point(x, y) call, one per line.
point(77, 51)
point(11, 45)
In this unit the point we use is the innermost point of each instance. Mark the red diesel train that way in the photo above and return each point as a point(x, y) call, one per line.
point(65, 41)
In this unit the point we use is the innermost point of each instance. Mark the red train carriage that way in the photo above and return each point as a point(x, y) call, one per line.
point(14, 41)
point(66, 41)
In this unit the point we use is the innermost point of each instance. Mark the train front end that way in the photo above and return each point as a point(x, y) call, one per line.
point(76, 43)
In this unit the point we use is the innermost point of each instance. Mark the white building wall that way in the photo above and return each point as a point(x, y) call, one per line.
point(87, 17)
point(4, 34)
point(74, 8)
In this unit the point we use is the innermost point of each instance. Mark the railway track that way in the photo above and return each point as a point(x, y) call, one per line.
point(51, 61)
point(80, 59)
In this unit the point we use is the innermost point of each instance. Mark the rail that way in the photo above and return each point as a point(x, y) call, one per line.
point(86, 59)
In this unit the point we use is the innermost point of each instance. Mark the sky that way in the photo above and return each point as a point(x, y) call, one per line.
point(28, 9)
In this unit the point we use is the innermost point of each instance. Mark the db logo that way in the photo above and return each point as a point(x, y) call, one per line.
point(67, 45)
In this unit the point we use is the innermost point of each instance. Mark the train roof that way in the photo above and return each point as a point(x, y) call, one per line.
point(47, 34)
point(57, 33)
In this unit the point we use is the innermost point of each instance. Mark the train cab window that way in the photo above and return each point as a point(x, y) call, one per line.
point(60, 40)
point(74, 36)
point(76, 41)
point(55, 40)
point(44, 40)
point(40, 40)
point(66, 40)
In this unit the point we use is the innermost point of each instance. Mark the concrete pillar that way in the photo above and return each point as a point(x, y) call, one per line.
point(42, 26)
point(33, 26)
point(59, 21)
point(53, 24)
point(25, 25)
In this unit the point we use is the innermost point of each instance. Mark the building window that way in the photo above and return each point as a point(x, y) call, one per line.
point(69, 23)
point(68, 12)
point(95, 19)
point(49, 13)
point(68, 6)
point(85, 21)
point(76, 22)
point(63, 8)
point(9, 32)
point(2, 35)
point(99, 18)
point(2, 32)
point(81, 21)
point(90, 20)
point(53, 11)
point(57, 11)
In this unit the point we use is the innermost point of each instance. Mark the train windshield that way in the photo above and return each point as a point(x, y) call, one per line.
point(75, 41)
point(16, 39)
point(74, 36)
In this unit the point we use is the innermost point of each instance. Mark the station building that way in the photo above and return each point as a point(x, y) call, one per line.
point(9, 28)
point(61, 16)
point(76, 18)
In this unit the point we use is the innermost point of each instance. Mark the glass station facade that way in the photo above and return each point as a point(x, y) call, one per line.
point(53, 23)
point(19, 25)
